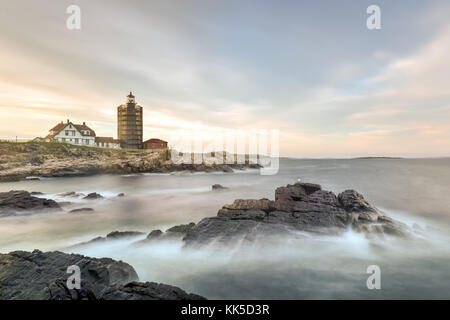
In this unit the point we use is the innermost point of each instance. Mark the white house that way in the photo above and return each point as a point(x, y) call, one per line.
point(79, 134)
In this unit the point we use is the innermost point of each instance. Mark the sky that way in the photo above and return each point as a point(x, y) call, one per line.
point(310, 69)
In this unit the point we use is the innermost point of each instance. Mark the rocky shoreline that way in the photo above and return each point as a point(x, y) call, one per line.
point(87, 168)
point(33, 161)
point(43, 276)
point(301, 207)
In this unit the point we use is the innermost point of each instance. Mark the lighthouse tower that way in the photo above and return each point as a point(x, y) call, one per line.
point(129, 124)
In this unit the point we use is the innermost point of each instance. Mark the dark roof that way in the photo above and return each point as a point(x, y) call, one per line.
point(106, 140)
point(83, 127)
point(60, 126)
point(154, 140)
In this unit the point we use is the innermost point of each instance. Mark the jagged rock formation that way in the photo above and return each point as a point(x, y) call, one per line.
point(112, 236)
point(42, 276)
point(176, 232)
point(298, 207)
point(15, 202)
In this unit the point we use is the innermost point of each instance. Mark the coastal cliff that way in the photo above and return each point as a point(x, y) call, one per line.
point(33, 160)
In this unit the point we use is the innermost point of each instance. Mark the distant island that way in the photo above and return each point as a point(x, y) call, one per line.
point(384, 158)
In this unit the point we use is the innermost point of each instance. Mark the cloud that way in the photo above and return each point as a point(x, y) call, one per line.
point(313, 71)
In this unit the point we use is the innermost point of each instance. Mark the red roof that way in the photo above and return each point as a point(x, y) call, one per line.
point(155, 141)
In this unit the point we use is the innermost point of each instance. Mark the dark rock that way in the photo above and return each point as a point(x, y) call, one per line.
point(121, 195)
point(123, 234)
point(148, 291)
point(182, 228)
point(154, 234)
point(296, 192)
point(86, 243)
point(218, 187)
point(93, 196)
point(43, 276)
point(253, 214)
point(352, 201)
point(36, 193)
point(13, 202)
point(176, 232)
point(115, 235)
point(85, 210)
point(71, 194)
point(298, 207)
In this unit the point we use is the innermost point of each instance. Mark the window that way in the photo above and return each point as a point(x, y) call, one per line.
point(73, 133)
point(76, 141)
point(67, 132)
point(63, 139)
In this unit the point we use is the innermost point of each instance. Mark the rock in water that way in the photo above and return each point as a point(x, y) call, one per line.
point(13, 202)
point(82, 210)
point(352, 201)
point(176, 232)
point(71, 194)
point(93, 195)
point(298, 207)
point(42, 276)
point(218, 187)
point(112, 236)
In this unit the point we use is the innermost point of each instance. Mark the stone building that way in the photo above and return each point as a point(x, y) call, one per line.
point(129, 124)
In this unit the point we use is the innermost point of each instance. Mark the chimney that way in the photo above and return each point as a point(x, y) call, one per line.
point(68, 121)
point(84, 123)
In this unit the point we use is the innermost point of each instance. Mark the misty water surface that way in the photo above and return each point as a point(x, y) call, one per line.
point(414, 191)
